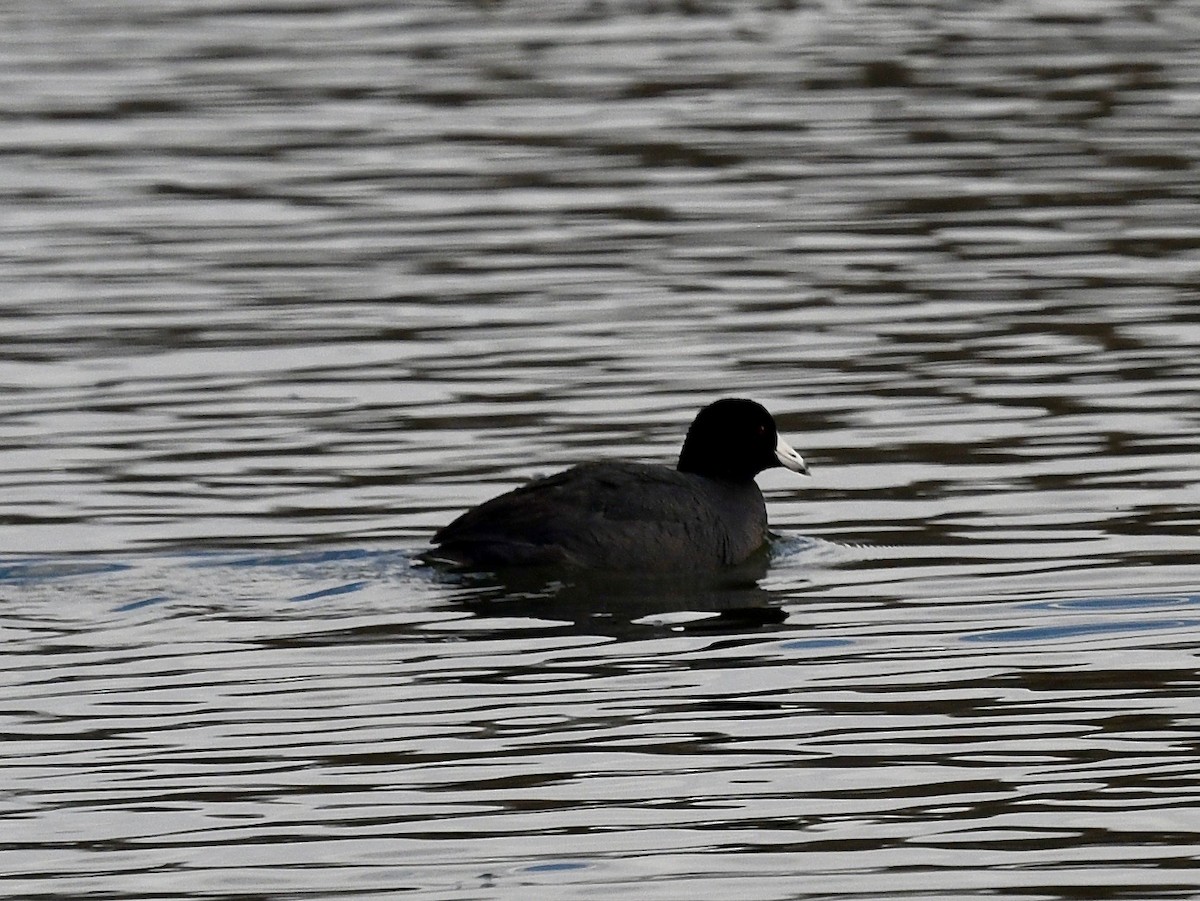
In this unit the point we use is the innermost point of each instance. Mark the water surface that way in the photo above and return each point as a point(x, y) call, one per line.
point(286, 286)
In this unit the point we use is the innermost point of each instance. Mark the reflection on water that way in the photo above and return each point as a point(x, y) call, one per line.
point(287, 286)
point(286, 720)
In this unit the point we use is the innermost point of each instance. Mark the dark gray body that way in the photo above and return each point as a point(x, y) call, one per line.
point(635, 517)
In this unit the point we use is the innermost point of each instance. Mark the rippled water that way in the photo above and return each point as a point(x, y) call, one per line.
point(287, 285)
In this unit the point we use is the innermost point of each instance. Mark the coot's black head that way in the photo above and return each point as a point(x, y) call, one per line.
point(735, 439)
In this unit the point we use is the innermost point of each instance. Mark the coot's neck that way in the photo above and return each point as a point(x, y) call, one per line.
point(713, 465)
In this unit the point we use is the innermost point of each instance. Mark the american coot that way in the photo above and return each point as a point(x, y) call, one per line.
point(704, 514)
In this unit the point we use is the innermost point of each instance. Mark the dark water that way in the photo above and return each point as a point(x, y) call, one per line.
point(284, 286)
